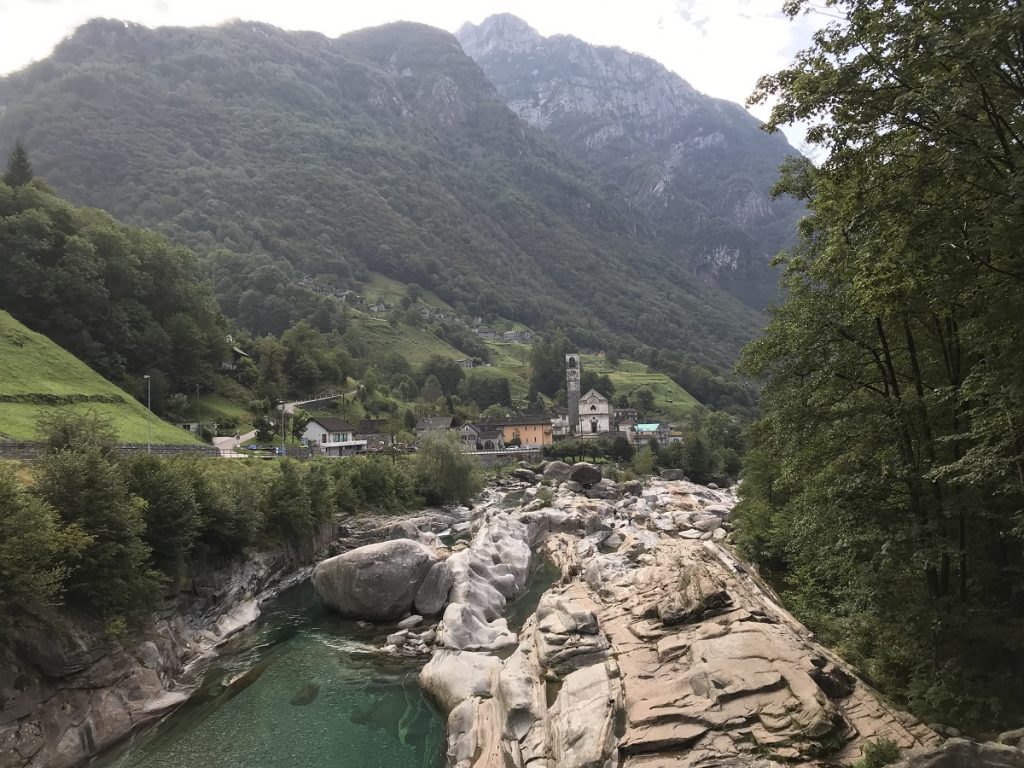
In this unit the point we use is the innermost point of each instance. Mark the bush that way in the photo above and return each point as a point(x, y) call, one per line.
point(878, 753)
point(444, 474)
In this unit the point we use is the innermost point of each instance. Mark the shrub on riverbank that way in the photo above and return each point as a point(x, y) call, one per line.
point(107, 534)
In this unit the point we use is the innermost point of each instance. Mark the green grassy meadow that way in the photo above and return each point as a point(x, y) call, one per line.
point(32, 368)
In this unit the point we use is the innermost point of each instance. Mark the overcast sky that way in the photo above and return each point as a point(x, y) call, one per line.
point(720, 46)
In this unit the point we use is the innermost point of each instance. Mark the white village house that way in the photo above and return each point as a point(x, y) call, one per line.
point(332, 437)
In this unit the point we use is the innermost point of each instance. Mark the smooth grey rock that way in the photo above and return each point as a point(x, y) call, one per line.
point(558, 471)
point(672, 474)
point(451, 677)
point(432, 595)
point(377, 582)
point(959, 753)
point(463, 629)
point(585, 473)
point(572, 485)
point(410, 621)
point(1014, 738)
point(526, 475)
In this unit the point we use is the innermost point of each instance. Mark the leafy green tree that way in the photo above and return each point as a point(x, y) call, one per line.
point(172, 514)
point(886, 469)
point(547, 364)
point(444, 474)
point(431, 390)
point(289, 511)
point(113, 576)
point(644, 461)
point(36, 552)
point(62, 430)
point(448, 374)
point(643, 398)
point(19, 168)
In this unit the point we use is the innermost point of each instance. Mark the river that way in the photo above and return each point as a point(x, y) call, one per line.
point(308, 690)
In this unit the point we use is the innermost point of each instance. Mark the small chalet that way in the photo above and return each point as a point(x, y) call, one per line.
point(642, 434)
point(332, 437)
point(479, 437)
point(487, 334)
point(237, 355)
point(466, 362)
point(379, 307)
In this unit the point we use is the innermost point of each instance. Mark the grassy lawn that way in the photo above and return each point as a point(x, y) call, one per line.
point(31, 364)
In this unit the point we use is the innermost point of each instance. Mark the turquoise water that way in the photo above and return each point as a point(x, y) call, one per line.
point(305, 689)
point(312, 694)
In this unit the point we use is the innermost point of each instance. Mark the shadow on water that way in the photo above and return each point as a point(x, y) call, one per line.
point(544, 575)
point(303, 688)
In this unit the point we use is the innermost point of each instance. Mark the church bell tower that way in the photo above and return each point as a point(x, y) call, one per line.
point(572, 391)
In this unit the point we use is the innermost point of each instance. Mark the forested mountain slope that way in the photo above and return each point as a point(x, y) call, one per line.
point(385, 150)
point(699, 169)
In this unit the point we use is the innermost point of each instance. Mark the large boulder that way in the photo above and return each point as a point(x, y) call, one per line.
point(558, 471)
point(585, 473)
point(957, 753)
point(377, 582)
point(526, 475)
point(673, 474)
point(451, 677)
point(432, 595)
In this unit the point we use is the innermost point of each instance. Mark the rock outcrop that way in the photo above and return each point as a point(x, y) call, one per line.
point(378, 582)
point(655, 649)
point(67, 692)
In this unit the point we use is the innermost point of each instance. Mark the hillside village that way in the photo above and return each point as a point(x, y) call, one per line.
point(597, 417)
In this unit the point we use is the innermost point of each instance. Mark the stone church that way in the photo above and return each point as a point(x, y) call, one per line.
point(595, 414)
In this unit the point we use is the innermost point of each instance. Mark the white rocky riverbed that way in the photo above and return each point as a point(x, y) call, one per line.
point(655, 648)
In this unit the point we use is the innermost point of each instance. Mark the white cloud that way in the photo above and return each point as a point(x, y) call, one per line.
point(720, 46)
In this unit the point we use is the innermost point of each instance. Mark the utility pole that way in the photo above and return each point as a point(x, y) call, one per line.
point(149, 413)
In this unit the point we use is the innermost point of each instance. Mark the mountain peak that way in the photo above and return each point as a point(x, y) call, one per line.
point(500, 32)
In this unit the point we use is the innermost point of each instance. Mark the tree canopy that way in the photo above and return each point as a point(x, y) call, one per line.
point(19, 168)
point(885, 485)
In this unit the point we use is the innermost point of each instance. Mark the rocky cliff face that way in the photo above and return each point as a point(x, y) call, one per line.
point(698, 168)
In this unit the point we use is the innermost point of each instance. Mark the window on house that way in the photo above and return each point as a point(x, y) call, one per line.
point(323, 437)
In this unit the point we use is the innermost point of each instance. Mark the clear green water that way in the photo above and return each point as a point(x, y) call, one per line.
point(305, 689)
point(316, 696)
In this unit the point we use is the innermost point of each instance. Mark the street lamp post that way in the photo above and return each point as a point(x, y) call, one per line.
point(149, 413)
point(282, 428)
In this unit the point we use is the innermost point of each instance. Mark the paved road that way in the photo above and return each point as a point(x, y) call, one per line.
point(228, 446)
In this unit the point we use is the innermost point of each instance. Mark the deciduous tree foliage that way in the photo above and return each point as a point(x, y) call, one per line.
point(122, 299)
point(886, 480)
